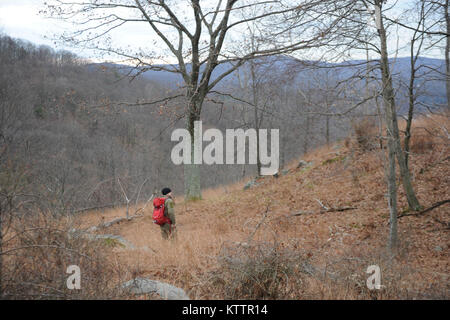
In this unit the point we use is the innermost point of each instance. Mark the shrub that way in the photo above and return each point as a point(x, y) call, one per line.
point(366, 134)
point(421, 143)
point(36, 253)
point(258, 271)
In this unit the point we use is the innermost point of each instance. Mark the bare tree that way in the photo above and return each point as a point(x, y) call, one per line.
point(447, 50)
point(390, 108)
point(198, 40)
point(364, 40)
point(424, 9)
point(438, 30)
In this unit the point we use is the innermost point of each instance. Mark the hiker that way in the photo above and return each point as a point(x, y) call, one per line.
point(164, 213)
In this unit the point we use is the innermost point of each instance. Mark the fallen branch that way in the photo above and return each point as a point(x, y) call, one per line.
point(258, 225)
point(340, 209)
point(301, 213)
point(322, 205)
point(125, 196)
point(423, 170)
point(323, 210)
point(112, 222)
point(434, 206)
point(331, 209)
point(112, 205)
point(446, 224)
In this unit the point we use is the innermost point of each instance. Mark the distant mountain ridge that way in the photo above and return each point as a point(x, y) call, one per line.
point(429, 77)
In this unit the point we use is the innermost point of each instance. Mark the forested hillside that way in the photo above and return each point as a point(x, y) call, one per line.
point(225, 149)
point(78, 128)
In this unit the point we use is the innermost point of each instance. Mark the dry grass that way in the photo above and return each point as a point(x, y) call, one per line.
point(365, 134)
point(339, 245)
point(38, 248)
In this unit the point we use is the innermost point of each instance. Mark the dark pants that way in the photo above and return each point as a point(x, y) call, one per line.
point(167, 231)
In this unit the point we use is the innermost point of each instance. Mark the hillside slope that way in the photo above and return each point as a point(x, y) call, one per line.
point(275, 240)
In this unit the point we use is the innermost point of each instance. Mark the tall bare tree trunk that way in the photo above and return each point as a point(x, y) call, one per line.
point(257, 120)
point(447, 53)
point(392, 194)
point(391, 113)
point(1, 250)
point(306, 137)
point(192, 185)
point(411, 103)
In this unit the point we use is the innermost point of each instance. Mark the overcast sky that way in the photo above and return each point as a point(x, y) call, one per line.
point(21, 19)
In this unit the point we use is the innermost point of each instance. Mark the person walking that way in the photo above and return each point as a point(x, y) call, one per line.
point(168, 228)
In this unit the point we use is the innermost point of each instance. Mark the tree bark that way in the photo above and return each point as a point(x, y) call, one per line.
point(192, 181)
point(410, 115)
point(392, 195)
point(447, 53)
point(306, 137)
point(1, 259)
point(257, 120)
point(411, 99)
point(391, 113)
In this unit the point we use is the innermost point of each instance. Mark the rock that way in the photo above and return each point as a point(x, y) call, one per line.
point(164, 290)
point(308, 268)
point(119, 239)
point(282, 173)
point(250, 184)
point(92, 229)
point(303, 163)
point(338, 158)
point(148, 249)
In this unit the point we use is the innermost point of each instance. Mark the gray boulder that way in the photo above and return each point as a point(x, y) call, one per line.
point(250, 184)
point(108, 237)
point(123, 242)
point(303, 163)
point(164, 290)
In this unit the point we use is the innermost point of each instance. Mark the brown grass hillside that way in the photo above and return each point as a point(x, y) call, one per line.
point(315, 255)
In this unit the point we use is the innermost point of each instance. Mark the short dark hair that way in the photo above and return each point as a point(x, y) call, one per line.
point(166, 191)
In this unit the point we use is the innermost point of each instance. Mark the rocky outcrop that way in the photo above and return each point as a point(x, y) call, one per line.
point(146, 286)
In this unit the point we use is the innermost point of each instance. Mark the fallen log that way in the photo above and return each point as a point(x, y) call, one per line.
point(113, 222)
point(323, 210)
point(434, 206)
point(339, 209)
point(331, 209)
point(301, 213)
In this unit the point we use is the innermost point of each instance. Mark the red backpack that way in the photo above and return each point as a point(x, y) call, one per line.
point(158, 212)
